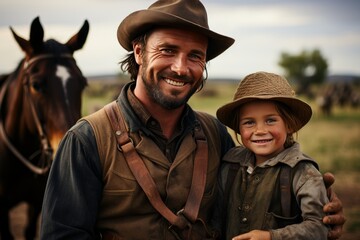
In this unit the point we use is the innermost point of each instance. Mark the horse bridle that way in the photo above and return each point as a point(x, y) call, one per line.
point(46, 149)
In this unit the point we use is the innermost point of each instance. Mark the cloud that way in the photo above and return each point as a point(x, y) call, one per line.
point(262, 30)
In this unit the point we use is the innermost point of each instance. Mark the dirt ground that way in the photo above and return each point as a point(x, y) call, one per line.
point(349, 196)
point(18, 220)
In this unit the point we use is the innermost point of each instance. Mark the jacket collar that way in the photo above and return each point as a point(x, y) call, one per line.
point(290, 156)
point(137, 119)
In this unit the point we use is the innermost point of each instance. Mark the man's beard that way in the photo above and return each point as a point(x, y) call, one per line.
point(154, 91)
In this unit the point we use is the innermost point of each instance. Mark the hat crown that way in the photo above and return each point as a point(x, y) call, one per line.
point(188, 14)
point(189, 10)
point(263, 84)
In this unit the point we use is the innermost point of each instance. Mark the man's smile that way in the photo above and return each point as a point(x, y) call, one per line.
point(174, 83)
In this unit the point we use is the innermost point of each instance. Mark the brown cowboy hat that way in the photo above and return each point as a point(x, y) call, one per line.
point(267, 86)
point(189, 14)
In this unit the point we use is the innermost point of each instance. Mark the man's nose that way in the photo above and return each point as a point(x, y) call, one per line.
point(180, 65)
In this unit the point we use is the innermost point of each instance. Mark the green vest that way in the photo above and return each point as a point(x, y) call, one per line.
point(255, 200)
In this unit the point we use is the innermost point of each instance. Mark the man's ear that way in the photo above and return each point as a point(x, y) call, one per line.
point(137, 53)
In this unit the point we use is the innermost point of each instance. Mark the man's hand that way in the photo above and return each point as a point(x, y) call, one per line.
point(334, 210)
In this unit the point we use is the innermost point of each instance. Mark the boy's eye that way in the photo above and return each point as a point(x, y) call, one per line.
point(247, 123)
point(270, 120)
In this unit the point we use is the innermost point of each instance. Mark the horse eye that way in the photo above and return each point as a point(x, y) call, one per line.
point(37, 85)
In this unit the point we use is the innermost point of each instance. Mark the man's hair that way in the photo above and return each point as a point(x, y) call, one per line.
point(129, 63)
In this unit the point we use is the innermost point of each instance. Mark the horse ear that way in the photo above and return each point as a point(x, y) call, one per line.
point(24, 44)
point(77, 41)
point(36, 35)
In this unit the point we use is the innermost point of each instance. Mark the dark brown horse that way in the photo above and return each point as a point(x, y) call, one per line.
point(39, 102)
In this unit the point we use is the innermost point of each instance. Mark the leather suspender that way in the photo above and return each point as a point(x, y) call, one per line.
point(143, 177)
point(285, 188)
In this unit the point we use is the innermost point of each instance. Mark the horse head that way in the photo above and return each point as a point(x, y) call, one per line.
point(39, 101)
point(47, 95)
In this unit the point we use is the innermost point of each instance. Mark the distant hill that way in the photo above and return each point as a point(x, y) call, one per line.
point(336, 78)
point(343, 78)
point(330, 79)
point(109, 77)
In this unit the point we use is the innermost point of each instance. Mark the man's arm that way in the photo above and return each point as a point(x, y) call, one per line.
point(334, 210)
point(73, 189)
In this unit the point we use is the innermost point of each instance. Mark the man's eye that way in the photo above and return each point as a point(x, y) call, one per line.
point(195, 56)
point(167, 51)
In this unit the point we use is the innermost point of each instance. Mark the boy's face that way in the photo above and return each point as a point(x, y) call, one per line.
point(262, 129)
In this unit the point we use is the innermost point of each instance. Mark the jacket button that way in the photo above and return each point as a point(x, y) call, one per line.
point(244, 220)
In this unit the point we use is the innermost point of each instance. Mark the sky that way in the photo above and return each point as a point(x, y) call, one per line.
point(262, 30)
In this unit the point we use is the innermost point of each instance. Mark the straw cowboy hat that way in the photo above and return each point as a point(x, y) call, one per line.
point(188, 14)
point(268, 86)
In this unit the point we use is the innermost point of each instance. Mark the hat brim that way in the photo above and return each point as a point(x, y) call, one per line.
point(301, 110)
point(142, 21)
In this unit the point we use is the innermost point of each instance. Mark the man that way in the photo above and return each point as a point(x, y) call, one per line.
point(146, 167)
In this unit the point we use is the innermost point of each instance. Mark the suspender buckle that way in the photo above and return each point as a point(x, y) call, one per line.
point(179, 232)
point(181, 214)
point(125, 141)
point(182, 221)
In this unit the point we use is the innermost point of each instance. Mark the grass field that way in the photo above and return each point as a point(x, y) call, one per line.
point(333, 141)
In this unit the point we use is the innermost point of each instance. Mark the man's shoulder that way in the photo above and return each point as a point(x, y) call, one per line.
point(97, 116)
point(208, 122)
point(81, 126)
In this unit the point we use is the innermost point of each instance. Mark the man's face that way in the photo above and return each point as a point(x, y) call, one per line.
point(171, 66)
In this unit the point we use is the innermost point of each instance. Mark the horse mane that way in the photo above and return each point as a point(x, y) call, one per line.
point(54, 47)
point(3, 77)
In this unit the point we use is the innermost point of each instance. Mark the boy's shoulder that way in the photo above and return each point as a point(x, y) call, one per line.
point(236, 154)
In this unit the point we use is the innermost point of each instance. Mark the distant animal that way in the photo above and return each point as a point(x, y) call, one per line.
point(337, 94)
point(326, 102)
point(39, 102)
